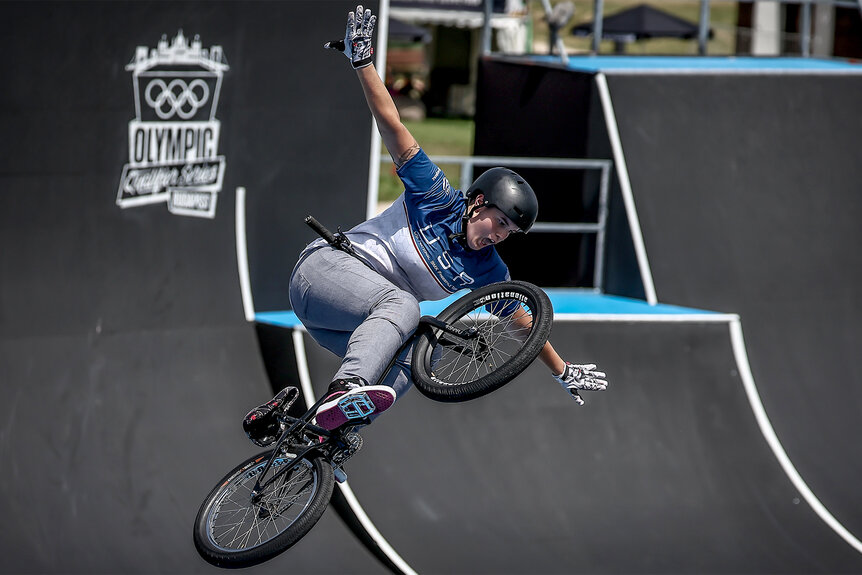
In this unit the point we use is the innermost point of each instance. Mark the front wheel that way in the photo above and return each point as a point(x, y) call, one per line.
point(234, 528)
point(506, 325)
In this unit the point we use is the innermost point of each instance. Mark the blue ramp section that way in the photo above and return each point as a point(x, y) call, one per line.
point(588, 303)
point(278, 318)
point(565, 302)
point(646, 64)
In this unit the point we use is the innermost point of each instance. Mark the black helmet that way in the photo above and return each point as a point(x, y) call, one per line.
point(509, 193)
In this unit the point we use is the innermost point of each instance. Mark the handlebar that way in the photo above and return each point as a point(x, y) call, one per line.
point(339, 241)
point(321, 230)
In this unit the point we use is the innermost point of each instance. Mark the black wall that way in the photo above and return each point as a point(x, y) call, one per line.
point(126, 363)
point(526, 109)
point(747, 189)
point(294, 127)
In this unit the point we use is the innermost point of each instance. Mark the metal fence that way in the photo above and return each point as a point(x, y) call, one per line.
point(468, 163)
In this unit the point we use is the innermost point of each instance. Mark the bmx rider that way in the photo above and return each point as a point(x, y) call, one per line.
point(432, 242)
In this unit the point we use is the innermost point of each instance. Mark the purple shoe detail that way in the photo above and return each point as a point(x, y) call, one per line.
point(342, 406)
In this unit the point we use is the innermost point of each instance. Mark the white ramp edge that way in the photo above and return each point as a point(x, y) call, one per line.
point(352, 501)
point(744, 368)
point(626, 188)
point(242, 257)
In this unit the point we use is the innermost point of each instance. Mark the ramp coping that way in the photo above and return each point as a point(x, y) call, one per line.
point(644, 65)
point(569, 305)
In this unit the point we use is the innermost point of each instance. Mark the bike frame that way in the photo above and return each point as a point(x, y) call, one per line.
point(303, 425)
point(303, 445)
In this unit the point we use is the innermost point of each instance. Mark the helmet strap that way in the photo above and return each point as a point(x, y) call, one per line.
point(468, 213)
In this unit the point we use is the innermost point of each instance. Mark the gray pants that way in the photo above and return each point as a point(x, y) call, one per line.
point(355, 313)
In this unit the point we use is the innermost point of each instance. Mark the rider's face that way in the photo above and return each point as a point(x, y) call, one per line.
point(487, 227)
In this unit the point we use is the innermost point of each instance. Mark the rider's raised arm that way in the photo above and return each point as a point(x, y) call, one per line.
point(357, 45)
point(396, 137)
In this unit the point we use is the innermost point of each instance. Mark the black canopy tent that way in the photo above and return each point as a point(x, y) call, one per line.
point(400, 31)
point(638, 23)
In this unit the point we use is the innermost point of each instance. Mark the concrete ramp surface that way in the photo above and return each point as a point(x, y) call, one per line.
point(127, 361)
point(747, 190)
point(124, 392)
point(666, 472)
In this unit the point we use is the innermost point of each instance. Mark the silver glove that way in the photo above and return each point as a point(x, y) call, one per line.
point(583, 378)
point(357, 38)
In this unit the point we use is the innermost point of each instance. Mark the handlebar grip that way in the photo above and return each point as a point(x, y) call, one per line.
point(321, 230)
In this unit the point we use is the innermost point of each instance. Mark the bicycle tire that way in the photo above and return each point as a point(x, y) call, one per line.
point(226, 546)
point(452, 371)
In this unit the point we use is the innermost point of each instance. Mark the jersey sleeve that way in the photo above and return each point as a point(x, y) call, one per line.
point(425, 184)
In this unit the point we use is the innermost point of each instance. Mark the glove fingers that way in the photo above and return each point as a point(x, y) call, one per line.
point(370, 21)
point(589, 385)
point(335, 45)
point(595, 386)
point(576, 396)
point(360, 16)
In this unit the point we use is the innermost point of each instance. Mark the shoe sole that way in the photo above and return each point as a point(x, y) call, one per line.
point(376, 398)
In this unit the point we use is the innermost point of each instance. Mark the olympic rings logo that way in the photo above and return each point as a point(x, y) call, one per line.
point(177, 97)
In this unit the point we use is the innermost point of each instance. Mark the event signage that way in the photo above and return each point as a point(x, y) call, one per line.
point(173, 140)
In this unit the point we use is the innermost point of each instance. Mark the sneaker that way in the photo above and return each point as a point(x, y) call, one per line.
point(261, 423)
point(347, 400)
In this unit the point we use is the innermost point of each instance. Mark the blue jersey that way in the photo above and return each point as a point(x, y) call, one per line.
point(411, 243)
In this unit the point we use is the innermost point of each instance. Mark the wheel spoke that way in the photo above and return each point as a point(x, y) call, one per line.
point(498, 339)
point(505, 326)
point(237, 522)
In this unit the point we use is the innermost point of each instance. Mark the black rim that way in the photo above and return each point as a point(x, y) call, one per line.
point(238, 521)
point(498, 339)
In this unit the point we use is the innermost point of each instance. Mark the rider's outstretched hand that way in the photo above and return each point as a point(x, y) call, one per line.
point(357, 38)
point(581, 377)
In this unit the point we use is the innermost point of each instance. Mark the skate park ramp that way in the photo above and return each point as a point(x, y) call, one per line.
point(747, 191)
point(127, 361)
point(739, 190)
point(668, 471)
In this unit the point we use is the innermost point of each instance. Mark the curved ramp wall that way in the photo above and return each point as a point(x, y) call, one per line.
point(748, 196)
point(127, 363)
point(744, 179)
point(668, 471)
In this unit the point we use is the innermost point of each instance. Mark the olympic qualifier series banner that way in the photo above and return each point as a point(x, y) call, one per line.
point(173, 140)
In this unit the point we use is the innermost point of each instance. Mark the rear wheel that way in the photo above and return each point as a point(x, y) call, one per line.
point(508, 324)
point(236, 529)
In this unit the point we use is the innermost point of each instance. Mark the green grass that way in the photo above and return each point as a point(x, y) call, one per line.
point(437, 136)
point(454, 137)
point(722, 20)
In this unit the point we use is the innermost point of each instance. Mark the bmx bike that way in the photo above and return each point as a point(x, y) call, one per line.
point(270, 501)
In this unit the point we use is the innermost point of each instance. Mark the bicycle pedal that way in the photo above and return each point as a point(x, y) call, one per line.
point(352, 444)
